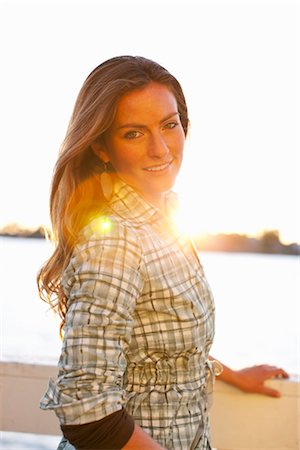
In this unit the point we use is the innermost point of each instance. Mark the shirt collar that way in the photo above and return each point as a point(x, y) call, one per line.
point(129, 205)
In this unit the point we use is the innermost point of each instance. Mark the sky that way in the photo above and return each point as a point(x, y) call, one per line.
point(238, 64)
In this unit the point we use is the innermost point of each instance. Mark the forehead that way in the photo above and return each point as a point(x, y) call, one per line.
point(152, 100)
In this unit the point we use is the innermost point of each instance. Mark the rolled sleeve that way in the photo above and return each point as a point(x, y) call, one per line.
point(102, 284)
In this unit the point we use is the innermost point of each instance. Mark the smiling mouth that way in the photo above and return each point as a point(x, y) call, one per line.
point(159, 168)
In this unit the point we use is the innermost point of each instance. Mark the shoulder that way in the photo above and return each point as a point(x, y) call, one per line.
point(105, 246)
point(109, 233)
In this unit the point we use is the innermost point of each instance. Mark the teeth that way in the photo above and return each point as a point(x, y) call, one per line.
point(158, 168)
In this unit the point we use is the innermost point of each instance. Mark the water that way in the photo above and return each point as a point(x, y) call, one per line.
point(27, 441)
point(257, 303)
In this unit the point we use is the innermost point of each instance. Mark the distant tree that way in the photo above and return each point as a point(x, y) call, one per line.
point(270, 241)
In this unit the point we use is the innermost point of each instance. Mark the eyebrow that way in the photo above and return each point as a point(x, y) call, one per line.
point(139, 125)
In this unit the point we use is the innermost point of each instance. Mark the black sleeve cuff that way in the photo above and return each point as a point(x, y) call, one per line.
point(110, 433)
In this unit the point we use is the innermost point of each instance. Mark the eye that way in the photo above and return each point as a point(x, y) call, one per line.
point(171, 125)
point(132, 134)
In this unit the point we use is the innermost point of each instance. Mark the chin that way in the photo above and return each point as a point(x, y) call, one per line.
point(160, 188)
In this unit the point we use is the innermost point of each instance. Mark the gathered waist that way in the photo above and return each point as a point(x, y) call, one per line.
point(174, 394)
point(183, 371)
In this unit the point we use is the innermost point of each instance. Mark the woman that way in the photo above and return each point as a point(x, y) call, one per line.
point(137, 312)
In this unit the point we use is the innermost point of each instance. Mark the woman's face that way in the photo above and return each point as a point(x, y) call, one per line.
point(145, 141)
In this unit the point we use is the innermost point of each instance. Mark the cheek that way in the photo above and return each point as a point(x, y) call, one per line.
point(124, 161)
point(179, 144)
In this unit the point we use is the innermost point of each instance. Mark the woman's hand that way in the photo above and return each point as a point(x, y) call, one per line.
point(252, 379)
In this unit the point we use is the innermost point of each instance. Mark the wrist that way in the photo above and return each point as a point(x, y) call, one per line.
point(229, 376)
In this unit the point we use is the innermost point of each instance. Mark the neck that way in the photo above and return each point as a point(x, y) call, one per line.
point(159, 200)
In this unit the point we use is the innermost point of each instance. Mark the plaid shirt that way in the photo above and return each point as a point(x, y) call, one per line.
point(139, 326)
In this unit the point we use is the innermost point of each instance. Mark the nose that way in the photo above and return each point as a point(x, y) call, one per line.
point(157, 147)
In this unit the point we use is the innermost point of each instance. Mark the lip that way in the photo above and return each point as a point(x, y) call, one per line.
point(158, 168)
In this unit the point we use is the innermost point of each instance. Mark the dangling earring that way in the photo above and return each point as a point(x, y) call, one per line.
point(106, 181)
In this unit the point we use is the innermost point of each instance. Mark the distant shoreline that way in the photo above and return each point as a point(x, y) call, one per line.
point(236, 243)
point(268, 243)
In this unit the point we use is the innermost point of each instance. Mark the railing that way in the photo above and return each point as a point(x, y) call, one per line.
point(239, 421)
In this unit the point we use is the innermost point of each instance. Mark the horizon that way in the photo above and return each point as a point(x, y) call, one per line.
point(17, 229)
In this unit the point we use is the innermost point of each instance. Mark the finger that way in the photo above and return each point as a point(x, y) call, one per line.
point(270, 392)
point(283, 374)
point(280, 373)
point(274, 371)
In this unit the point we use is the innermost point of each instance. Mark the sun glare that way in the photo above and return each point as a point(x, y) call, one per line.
point(185, 221)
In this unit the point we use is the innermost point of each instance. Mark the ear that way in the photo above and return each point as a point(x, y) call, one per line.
point(100, 151)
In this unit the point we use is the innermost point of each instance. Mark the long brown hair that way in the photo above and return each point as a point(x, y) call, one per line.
point(76, 194)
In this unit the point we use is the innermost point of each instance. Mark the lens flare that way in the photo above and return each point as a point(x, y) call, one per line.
point(102, 225)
